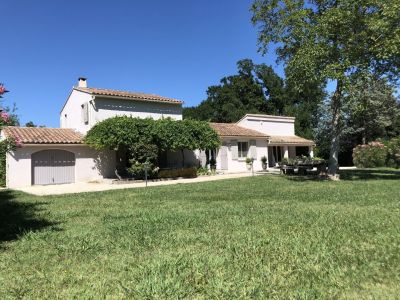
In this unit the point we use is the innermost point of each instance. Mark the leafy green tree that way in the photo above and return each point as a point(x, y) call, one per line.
point(30, 124)
point(9, 144)
point(329, 40)
point(258, 89)
point(145, 139)
point(274, 89)
point(235, 96)
point(370, 109)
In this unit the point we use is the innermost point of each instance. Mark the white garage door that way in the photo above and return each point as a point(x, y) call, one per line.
point(53, 167)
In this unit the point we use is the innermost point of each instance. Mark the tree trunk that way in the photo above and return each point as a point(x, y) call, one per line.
point(336, 106)
point(364, 132)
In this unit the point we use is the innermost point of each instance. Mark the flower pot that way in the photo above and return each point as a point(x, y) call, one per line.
point(264, 166)
point(248, 166)
point(213, 168)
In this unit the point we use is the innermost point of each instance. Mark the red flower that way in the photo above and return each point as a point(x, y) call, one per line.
point(18, 142)
point(2, 89)
point(5, 117)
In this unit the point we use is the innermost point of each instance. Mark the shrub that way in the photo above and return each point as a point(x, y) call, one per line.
point(393, 155)
point(372, 155)
point(249, 160)
point(203, 171)
point(264, 159)
point(174, 173)
point(303, 160)
point(6, 145)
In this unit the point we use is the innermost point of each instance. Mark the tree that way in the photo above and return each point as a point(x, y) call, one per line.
point(8, 117)
point(30, 124)
point(235, 96)
point(370, 109)
point(331, 40)
point(258, 89)
point(144, 139)
point(8, 144)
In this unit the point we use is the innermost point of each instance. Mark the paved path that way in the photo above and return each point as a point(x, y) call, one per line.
point(42, 190)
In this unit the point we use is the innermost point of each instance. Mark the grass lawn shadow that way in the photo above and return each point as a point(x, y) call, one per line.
point(368, 174)
point(17, 218)
point(354, 175)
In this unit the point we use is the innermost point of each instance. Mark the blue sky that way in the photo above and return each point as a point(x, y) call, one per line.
point(171, 48)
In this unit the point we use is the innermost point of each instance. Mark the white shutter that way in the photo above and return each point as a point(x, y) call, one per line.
point(253, 149)
point(203, 158)
point(234, 149)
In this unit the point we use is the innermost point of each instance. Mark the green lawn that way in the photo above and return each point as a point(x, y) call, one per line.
point(258, 237)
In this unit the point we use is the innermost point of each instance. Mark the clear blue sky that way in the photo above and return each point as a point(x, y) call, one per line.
point(171, 48)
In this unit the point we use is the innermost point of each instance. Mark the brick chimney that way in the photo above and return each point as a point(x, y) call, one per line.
point(82, 82)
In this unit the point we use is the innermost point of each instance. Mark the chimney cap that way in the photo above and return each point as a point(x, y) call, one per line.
point(82, 82)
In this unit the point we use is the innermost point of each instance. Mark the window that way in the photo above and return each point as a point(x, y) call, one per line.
point(243, 149)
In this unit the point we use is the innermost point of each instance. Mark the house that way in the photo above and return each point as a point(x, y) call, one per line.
point(58, 155)
point(256, 136)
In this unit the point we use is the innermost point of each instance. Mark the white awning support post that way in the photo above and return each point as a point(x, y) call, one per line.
point(311, 151)
point(285, 151)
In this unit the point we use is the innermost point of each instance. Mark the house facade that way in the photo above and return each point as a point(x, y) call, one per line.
point(256, 136)
point(58, 155)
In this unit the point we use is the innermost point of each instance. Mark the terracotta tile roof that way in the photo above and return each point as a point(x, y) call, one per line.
point(35, 135)
point(130, 95)
point(231, 129)
point(289, 139)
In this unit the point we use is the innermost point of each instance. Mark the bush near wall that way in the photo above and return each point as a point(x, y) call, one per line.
point(371, 155)
point(6, 145)
point(393, 156)
point(174, 173)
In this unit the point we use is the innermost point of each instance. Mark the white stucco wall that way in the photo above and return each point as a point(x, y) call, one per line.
point(89, 164)
point(269, 125)
point(107, 108)
point(73, 112)
point(239, 165)
point(103, 108)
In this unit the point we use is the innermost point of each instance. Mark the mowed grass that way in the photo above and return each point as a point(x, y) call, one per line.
point(259, 237)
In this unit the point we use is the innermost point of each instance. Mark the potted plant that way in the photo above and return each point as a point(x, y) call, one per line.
point(264, 162)
point(213, 164)
point(249, 163)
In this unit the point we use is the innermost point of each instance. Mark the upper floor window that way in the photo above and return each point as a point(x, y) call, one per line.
point(85, 113)
point(243, 149)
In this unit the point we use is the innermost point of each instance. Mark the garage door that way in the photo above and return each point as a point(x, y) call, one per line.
point(53, 167)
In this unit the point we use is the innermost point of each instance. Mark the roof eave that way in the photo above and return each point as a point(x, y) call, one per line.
point(243, 136)
point(96, 95)
point(51, 144)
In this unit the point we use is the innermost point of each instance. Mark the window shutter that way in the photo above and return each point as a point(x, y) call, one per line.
point(234, 149)
point(85, 112)
point(253, 149)
point(203, 158)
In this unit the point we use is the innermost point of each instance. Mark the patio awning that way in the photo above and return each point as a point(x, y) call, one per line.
point(290, 140)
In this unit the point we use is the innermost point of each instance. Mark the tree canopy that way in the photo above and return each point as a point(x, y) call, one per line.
point(145, 139)
point(8, 117)
point(370, 109)
point(166, 134)
point(258, 89)
point(326, 40)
